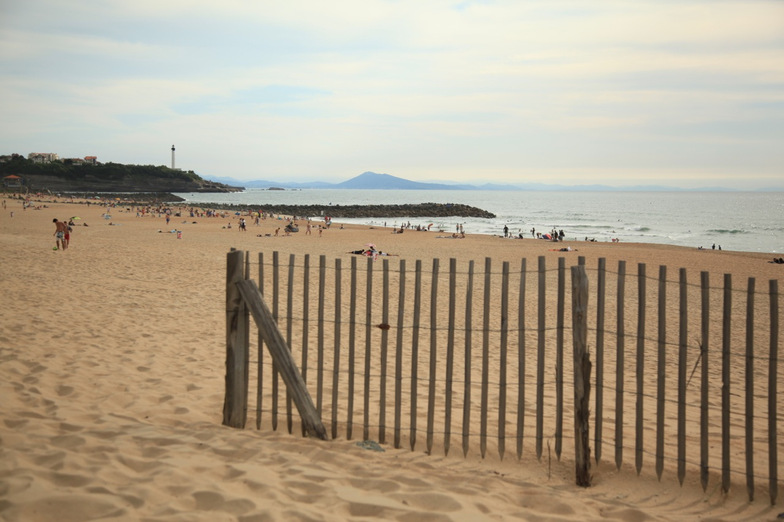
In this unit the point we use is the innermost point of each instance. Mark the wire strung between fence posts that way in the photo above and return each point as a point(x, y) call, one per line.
point(567, 382)
point(530, 330)
point(477, 273)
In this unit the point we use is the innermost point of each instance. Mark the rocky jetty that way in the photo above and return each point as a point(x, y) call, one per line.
point(419, 210)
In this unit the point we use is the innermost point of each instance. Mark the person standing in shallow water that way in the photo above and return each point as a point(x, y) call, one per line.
point(59, 234)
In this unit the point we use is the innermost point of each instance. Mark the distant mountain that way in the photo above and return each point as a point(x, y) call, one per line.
point(371, 180)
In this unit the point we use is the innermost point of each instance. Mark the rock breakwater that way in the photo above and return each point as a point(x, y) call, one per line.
point(418, 210)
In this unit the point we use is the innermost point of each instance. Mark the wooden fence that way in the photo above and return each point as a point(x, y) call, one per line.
point(480, 354)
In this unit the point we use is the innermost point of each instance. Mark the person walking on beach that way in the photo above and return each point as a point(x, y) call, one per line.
point(59, 234)
point(68, 230)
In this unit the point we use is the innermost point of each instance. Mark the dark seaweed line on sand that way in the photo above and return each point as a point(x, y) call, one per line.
point(364, 211)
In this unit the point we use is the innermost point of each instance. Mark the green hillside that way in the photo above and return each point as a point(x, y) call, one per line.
point(63, 176)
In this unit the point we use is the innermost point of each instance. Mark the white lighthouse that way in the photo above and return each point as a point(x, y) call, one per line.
point(172, 157)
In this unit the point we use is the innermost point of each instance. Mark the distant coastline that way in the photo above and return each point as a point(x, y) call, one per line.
point(375, 181)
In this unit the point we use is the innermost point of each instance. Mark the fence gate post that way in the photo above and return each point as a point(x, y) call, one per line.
point(235, 402)
point(582, 376)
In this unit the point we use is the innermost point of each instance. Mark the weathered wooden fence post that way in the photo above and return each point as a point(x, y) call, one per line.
point(450, 354)
point(521, 361)
point(467, 366)
point(750, 389)
point(726, 336)
point(582, 376)
point(773, 475)
point(600, 303)
point(283, 358)
point(704, 392)
point(235, 403)
point(619, 363)
point(559, 356)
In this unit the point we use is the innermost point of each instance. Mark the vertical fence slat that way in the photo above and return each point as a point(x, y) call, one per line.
point(305, 322)
point(415, 351)
point(382, 407)
point(260, 349)
point(336, 355)
point(582, 376)
point(750, 388)
point(275, 317)
point(485, 360)
point(289, 326)
point(368, 344)
point(521, 360)
point(540, 359)
point(467, 365)
point(237, 348)
point(725, 384)
point(431, 391)
point(502, 362)
point(351, 348)
point(704, 393)
point(559, 356)
point(399, 352)
point(682, 344)
point(450, 354)
point(641, 297)
point(600, 303)
point(661, 372)
point(619, 363)
point(320, 334)
point(773, 392)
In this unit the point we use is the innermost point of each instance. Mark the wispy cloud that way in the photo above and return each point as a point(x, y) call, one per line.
point(608, 91)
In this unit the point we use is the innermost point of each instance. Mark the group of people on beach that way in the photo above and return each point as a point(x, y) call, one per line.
point(370, 251)
point(553, 235)
point(62, 234)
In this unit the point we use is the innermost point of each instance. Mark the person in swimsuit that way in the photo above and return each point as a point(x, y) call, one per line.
point(59, 234)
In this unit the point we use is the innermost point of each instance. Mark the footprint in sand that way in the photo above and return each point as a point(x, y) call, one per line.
point(14, 423)
point(53, 460)
point(136, 502)
point(211, 501)
point(63, 390)
point(67, 441)
point(138, 465)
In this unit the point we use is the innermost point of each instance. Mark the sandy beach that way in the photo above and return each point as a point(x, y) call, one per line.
point(112, 387)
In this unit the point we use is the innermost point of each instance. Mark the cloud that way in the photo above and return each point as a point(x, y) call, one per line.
point(435, 89)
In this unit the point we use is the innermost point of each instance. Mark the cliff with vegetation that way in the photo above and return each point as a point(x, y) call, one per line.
point(58, 176)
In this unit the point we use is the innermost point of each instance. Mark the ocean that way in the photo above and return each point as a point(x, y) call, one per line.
point(743, 221)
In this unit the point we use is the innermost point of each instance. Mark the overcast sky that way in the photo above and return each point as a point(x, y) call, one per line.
point(683, 93)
